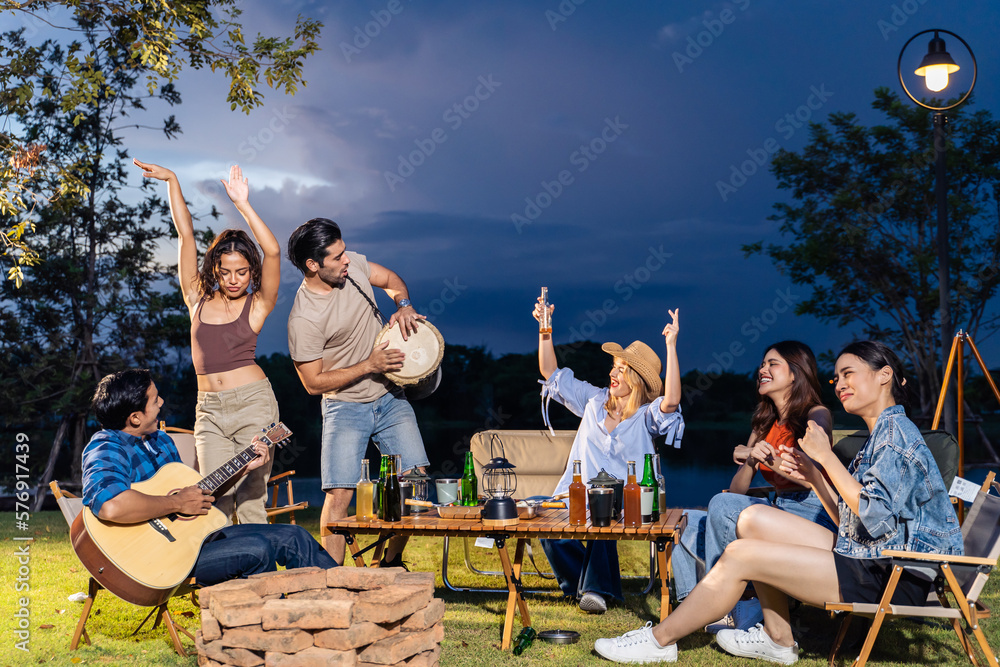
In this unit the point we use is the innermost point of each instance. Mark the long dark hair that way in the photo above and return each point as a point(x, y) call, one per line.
point(804, 394)
point(877, 356)
point(229, 241)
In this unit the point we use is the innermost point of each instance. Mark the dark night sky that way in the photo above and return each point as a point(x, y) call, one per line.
point(638, 224)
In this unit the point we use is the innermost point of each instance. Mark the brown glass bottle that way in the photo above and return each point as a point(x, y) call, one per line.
point(633, 499)
point(577, 498)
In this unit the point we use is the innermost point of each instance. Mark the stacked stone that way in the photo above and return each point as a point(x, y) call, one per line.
point(346, 616)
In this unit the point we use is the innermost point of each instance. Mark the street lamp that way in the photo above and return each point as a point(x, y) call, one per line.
point(936, 67)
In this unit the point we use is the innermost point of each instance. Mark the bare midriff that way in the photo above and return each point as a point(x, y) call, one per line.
point(230, 379)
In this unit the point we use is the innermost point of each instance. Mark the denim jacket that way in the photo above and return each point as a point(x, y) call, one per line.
point(903, 503)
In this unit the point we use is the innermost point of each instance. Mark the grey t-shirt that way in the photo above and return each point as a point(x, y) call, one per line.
point(340, 328)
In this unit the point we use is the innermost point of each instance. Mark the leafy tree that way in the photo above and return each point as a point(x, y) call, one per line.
point(861, 229)
point(97, 303)
point(148, 39)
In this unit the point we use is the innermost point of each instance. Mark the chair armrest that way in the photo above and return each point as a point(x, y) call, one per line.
point(940, 558)
point(680, 527)
point(274, 480)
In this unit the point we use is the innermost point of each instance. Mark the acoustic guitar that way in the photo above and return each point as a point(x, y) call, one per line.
point(144, 563)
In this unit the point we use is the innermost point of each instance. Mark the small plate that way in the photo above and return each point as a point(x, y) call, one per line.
point(559, 636)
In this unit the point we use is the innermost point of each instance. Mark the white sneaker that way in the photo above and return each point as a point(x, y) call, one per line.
point(637, 646)
point(755, 643)
point(592, 603)
point(745, 615)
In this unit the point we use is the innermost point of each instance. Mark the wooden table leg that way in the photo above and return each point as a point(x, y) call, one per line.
point(664, 549)
point(359, 560)
point(515, 600)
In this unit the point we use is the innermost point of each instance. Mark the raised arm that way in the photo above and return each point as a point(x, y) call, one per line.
point(394, 286)
point(187, 250)
point(238, 190)
point(672, 385)
point(547, 364)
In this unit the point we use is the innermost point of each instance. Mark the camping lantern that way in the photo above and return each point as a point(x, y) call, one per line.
point(499, 482)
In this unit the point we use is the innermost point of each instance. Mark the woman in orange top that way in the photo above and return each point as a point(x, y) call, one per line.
point(788, 391)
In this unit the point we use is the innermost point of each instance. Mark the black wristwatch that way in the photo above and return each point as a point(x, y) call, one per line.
point(403, 303)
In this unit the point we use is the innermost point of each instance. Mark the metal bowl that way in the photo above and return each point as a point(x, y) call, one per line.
point(559, 636)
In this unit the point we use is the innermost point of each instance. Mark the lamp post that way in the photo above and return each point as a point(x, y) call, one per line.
point(936, 67)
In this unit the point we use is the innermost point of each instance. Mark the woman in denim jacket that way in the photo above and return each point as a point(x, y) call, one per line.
point(891, 497)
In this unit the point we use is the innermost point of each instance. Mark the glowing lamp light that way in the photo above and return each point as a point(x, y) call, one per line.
point(936, 65)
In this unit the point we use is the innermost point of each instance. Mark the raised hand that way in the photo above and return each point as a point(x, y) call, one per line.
point(815, 443)
point(150, 170)
point(537, 312)
point(236, 187)
point(673, 328)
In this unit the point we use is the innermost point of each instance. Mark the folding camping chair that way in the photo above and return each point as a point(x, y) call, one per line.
point(964, 577)
point(70, 506)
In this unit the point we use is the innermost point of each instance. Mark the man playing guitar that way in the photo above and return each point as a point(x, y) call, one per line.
point(130, 449)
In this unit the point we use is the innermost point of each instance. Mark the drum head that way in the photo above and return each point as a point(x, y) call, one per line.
point(424, 351)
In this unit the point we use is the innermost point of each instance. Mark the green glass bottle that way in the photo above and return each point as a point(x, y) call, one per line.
point(469, 486)
point(649, 492)
point(380, 487)
point(393, 509)
point(524, 639)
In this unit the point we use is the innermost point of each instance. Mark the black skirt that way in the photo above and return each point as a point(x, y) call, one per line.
point(865, 579)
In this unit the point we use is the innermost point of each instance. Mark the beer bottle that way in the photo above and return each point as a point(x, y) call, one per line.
point(577, 498)
point(524, 639)
point(649, 493)
point(365, 489)
point(470, 486)
point(390, 496)
point(380, 486)
point(633, 501)
point(545, 322)
point(661, 483)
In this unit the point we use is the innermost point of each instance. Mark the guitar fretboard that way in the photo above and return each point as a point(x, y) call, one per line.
point(227, 470)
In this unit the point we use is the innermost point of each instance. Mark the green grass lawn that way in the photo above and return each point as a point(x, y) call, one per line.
point(472, 620)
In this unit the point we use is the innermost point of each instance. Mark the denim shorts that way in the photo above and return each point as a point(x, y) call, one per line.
point(388, 420)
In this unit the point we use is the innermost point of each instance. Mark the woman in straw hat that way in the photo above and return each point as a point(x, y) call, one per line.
point(618, 424)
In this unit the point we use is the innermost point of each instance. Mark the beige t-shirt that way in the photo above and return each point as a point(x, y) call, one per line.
point(340, 328)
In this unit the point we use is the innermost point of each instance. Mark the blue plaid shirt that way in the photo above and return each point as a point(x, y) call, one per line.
point(114, 460)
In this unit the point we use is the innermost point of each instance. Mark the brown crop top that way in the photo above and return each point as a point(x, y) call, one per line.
point(216, 348)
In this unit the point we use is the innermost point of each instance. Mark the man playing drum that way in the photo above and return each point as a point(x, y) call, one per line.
point(332, 331)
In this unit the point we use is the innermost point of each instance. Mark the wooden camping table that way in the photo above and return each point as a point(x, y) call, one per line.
point(551, 524)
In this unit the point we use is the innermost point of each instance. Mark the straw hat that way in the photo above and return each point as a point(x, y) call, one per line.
point(642, 359)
